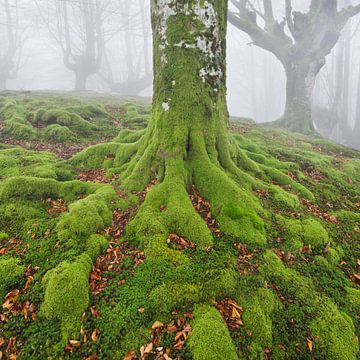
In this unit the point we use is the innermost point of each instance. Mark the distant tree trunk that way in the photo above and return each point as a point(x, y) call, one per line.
point(80, 79)
point(300, 83)
point(2, 84)
point(356, 133)
point(77, 27)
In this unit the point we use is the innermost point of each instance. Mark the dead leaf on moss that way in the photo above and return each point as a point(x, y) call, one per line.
point(310, 345)
point(156, 325)
point(131, 355)
point(231, 313)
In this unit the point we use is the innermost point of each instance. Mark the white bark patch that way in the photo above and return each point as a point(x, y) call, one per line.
point(210, 46)
point(166, 106)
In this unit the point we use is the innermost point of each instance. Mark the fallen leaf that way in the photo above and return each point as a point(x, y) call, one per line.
point(157, 324)
point(310, 345)
point(94, 336)
point(75, 343)
point(131, 355)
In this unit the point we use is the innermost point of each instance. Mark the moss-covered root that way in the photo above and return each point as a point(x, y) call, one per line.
point(10, 272)
point(236, 210)
point(167, 209)
point(257, 318)
point(210, 339)
point(67, 289)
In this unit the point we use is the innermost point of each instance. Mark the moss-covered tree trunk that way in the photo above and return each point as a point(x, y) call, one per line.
point(189, 103)
point(187, 140)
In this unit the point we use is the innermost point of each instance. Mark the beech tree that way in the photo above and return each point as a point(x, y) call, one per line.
point(187, 140)
point(135, 38)
point(300, 41)
point(77, 27)
point(11, 41)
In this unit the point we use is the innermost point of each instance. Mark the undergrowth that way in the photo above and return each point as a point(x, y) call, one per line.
point(287, 254)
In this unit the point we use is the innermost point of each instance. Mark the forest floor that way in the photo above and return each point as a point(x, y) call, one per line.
point(74, 284)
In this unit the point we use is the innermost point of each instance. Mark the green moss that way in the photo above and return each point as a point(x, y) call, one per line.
point(353, 297)
point(304, 232)
point(59, 133)
point(16, 128)
point(86, 216)
point(10, 273)
point(334, 334)
point(95, 245)
point(129, 136)
point(67, 295)
point(64, 118)
point(4, 237)
point(210, 338)
point(95, 156)
point(31, 188)
point(18, 161)
point(283, 179)
point(332, 329)
point(257, 319)
point(166, 297)
point(283, 200)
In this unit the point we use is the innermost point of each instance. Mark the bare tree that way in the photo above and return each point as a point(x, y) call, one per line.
point(78, 28)
point(11, 41)
point(135, 30)
point(300, 41)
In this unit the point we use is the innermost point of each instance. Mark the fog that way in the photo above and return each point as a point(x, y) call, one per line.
point(121, 57)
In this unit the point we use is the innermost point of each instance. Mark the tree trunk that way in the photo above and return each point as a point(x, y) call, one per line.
point(356, 134)
point(187, 140)
point(189, 100)
point(299, 97)
point(3, 82)
point(80, 80)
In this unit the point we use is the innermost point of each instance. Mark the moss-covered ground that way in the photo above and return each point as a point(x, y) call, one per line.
point(84, 275)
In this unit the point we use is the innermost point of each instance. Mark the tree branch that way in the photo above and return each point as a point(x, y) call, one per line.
point(289, 18)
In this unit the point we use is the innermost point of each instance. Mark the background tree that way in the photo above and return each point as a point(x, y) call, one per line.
point(12, 41)
point(300, 41)
point(133, 36)
point(78, 28)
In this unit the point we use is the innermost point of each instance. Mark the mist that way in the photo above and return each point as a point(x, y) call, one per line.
point(119, 59)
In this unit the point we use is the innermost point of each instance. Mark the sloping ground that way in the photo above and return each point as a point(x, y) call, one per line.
point(74, 283)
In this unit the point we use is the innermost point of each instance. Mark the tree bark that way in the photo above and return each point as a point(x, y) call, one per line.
point(299, 96)
point(2, 84)
point(80, 80)
point(189, 101)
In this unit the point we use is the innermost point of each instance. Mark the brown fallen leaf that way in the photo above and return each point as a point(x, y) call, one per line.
point(94, 336)
point(75, 343)
point(156, 325)
point(144, 350)
point(310, 345)
point(131, 355)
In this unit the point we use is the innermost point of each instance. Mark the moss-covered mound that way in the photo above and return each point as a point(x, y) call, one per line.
point(62, 118)
point(162, 272)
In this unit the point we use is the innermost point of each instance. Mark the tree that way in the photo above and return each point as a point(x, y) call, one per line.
point(300, 41)
point(138, 74)
point(355, 141)
point(187, 140)
point(77, 27)
point(11, 41)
